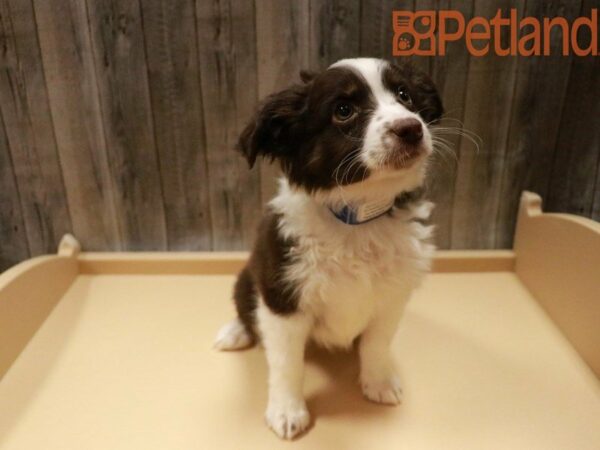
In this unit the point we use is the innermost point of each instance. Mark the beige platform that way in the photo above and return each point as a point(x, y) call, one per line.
point(113, 351)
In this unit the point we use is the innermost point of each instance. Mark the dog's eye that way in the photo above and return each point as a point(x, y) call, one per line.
point(403, 95)
point(343, 111)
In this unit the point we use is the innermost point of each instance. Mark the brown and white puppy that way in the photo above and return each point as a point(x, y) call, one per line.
point(342, 245)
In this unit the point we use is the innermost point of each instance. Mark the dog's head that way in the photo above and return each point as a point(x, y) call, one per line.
point(361, 119)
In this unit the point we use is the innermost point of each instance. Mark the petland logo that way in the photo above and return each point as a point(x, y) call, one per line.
point(426, 33)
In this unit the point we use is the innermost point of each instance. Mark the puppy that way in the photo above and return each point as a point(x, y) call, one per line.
point(342, 245)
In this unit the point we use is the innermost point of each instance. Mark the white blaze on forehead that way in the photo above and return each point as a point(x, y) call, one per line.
point(371, 69)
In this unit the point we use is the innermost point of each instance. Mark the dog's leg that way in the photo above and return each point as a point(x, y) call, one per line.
point(233, 336)
point(378, 377)
point(284, 339)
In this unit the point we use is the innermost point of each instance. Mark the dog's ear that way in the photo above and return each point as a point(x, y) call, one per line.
point(307, 76)
point(275, 130)
point(424, 93)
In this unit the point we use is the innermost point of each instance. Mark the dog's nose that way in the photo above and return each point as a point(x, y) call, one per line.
point(409, 130)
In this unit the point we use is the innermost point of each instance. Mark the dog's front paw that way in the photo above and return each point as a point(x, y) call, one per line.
point(386, 391)
point(287, 420)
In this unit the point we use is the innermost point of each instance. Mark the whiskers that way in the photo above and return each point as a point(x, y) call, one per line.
point(460, 130)
point(446, 137)
point(443, 146)
point(349, 166)
point(349, 136)
point(351, 162)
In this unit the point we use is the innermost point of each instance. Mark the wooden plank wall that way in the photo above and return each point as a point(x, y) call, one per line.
point(118, 118)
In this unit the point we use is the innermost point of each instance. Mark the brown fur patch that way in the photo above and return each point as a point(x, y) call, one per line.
point(264, 275)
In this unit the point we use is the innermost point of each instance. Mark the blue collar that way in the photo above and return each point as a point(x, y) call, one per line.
point(359, 214)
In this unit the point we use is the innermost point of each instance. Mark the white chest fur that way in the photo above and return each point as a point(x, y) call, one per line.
point(346, 273)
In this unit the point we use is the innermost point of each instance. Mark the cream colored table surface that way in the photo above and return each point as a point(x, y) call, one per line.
point(125, 362)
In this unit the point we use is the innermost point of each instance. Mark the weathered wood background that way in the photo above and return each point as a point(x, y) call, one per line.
point(118, 118)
